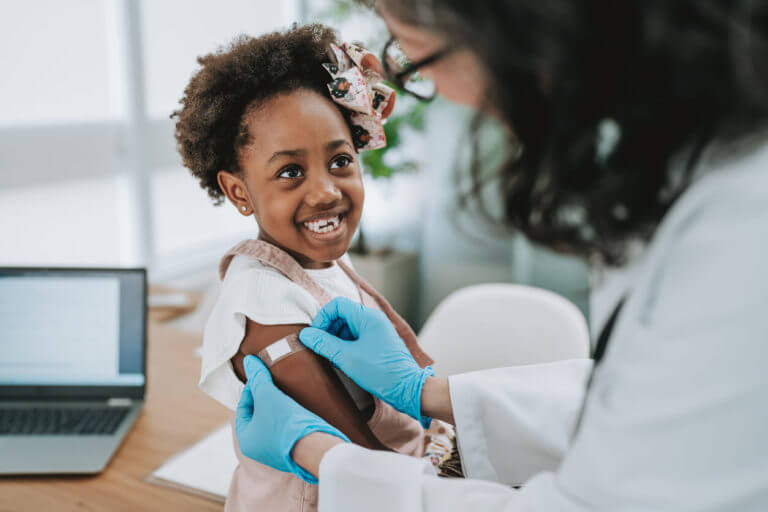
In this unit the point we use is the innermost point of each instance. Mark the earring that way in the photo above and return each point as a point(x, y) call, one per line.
point(243, 208)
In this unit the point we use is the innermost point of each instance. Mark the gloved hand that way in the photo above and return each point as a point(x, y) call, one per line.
point(363, 343)
point(268, 436)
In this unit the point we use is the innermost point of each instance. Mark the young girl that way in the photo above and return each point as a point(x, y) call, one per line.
point(274, 124)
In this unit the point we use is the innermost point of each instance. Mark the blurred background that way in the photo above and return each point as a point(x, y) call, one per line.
point(89, 174)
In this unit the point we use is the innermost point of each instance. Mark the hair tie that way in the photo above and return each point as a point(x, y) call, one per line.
point(361, 91)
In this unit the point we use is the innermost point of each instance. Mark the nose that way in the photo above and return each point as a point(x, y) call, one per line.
point(322, 191)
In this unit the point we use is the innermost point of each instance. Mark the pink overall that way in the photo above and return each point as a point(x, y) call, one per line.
point(256, 487)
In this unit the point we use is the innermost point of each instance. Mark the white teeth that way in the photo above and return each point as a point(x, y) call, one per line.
point(323, 225)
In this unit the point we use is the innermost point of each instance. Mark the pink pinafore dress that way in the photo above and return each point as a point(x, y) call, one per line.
point(256, 487)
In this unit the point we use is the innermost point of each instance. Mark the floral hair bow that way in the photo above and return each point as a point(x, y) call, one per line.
point(363, 92)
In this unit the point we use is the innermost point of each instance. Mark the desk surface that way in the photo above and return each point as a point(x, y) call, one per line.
point(176, 415)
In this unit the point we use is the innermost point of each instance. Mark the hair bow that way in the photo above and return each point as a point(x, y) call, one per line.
point(362, 91)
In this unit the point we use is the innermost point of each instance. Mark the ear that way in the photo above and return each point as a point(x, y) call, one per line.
point(235, 190)
point(372, 63)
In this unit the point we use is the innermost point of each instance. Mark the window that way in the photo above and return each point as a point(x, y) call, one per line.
point(89, 173)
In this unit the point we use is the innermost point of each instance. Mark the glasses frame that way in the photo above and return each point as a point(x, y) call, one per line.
point(398, 79)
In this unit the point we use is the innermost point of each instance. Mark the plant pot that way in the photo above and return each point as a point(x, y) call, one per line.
point(393, 274)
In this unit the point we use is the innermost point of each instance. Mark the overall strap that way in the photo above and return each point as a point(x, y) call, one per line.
point(284, 263)
point(401, 326)
point(279, 260)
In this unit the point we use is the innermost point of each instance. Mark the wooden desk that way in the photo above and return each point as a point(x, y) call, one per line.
point(176, 415)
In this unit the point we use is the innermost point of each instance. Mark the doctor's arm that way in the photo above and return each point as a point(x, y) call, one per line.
point(518, 431)
point(510, 422)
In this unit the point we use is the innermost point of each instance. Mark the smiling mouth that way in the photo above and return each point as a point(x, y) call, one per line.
point(326, 228)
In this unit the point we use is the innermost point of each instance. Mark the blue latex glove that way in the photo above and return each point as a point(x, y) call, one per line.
point(268, 436)
point(363, 343)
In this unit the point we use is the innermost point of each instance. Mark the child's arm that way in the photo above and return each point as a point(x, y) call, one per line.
point(257, 338)
point(308, 379)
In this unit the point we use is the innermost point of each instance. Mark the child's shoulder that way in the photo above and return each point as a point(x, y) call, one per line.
point(246, 274)
point(263, 294)
point(243, 266)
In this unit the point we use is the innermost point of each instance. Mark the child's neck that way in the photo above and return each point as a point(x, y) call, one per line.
point(300, 258)
point(312, 264)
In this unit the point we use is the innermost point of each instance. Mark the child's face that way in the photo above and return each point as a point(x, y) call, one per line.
point(300, 177)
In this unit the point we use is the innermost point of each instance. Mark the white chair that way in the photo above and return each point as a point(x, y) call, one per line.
point(497, 325)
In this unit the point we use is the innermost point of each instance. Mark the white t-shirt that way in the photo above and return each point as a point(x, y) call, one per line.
point(261, 293)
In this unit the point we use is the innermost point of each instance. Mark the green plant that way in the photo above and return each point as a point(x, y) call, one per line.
point(375, 162)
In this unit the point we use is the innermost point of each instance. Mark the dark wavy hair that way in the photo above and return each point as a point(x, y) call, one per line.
point(669, 76)
point(211, 127)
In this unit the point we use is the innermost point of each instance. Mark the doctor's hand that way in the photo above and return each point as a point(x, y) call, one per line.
point(363, 343)
point(269, 435)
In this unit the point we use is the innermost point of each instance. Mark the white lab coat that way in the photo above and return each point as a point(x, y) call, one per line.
point(677, 415)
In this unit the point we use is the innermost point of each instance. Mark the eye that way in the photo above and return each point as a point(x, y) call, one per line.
point(290, 172)
point(341, 161)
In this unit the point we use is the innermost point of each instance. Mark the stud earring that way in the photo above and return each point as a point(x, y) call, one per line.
point(243, 208)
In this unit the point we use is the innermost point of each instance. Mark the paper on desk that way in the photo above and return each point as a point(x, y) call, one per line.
point(204, 469)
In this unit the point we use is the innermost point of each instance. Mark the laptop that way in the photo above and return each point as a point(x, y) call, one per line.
point(72, 366)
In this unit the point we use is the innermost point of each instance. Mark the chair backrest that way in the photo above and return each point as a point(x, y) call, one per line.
point(497, 325)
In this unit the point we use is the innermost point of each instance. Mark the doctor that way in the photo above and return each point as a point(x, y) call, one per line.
point(639, 140)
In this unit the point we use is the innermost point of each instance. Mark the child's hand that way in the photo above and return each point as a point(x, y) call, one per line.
point(269, 435)
point(363, 343)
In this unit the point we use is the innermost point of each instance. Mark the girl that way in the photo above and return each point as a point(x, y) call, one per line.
point(273, 124)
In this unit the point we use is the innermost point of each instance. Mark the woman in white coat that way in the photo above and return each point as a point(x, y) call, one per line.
point(639, 123)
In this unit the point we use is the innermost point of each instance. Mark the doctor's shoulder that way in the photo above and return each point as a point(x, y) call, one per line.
point(712, 244)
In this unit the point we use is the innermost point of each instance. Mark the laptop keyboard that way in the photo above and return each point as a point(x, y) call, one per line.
point(61, 420)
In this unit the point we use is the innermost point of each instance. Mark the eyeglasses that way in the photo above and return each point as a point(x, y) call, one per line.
point(405, 75)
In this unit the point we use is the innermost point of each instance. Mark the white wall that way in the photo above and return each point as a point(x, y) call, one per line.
point(177, 31)
point(54, 62)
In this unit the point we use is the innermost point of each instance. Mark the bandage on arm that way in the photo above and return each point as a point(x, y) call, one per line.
point(307, 378)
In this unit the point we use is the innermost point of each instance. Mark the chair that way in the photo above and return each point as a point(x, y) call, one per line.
point(497, 325)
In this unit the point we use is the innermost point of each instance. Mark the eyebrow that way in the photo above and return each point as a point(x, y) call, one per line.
point(287, 152)
point(334, 144)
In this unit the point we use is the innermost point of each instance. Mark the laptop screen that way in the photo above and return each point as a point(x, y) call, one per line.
point(72, 327)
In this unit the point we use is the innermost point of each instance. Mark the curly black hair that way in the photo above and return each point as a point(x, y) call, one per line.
point(210, 126)
point(671, 76)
